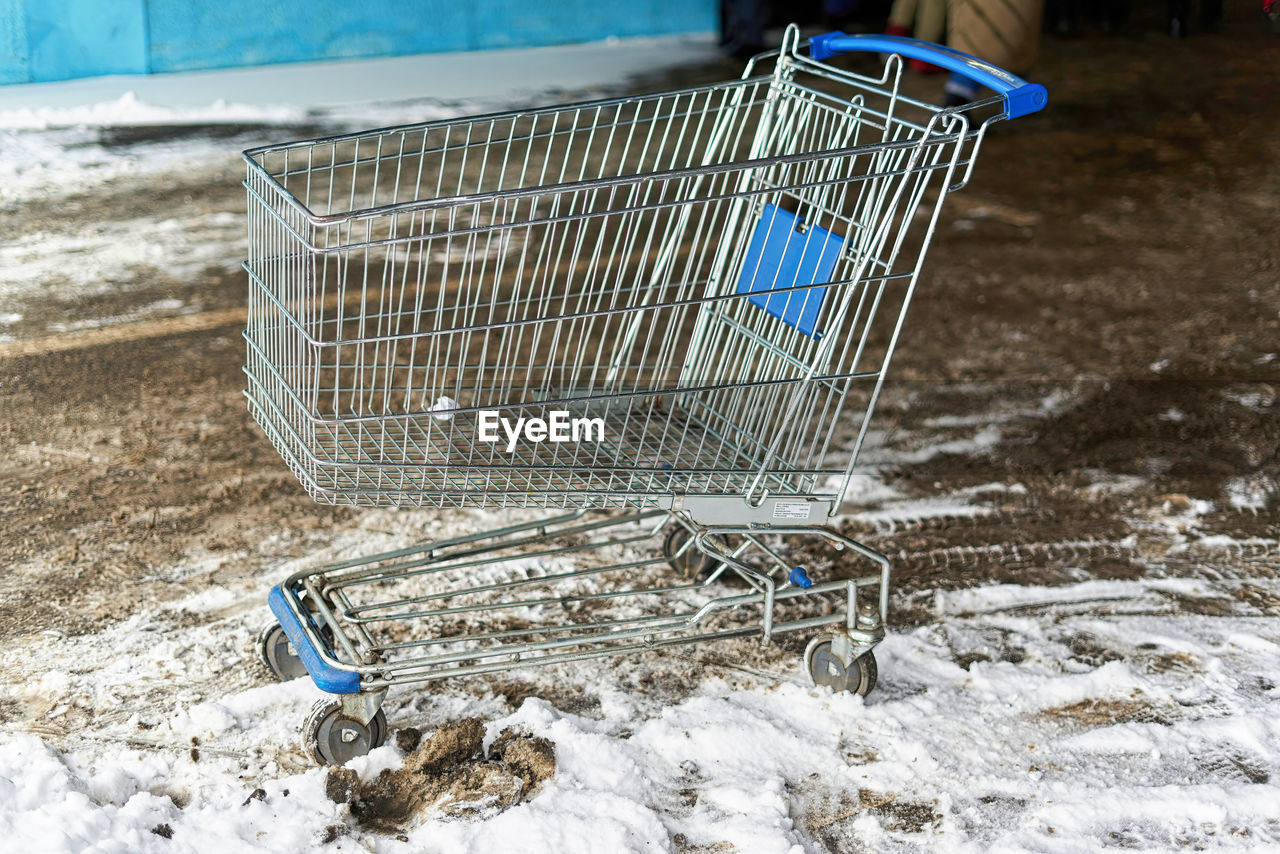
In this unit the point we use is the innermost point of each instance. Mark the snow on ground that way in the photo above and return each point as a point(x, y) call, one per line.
point(64, 266)
point(361, 87)
point(59, 141)
point(49, 131)
point(1169, 739)
point(1016, 718)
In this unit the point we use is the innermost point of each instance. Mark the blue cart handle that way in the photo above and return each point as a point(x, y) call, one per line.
point(1020, 97)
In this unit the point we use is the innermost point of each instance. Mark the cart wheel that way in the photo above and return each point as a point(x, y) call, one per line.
point(692, 563)
point(335, 739)
point(278, 655)
point(827, 669)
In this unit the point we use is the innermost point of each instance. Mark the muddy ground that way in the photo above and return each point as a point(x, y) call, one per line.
point(1105, 293)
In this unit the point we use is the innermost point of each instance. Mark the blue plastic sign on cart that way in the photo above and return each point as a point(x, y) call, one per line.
point(784, 256)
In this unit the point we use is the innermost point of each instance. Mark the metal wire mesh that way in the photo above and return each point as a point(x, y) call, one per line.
point(590, 259)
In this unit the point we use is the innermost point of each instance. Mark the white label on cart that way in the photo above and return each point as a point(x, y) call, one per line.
point(560, 427)
point(791, 510)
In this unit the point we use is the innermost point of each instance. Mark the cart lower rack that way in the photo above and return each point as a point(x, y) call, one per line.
point(667, 317)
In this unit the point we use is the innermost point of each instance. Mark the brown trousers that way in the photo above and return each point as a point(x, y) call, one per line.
point(1003, 32)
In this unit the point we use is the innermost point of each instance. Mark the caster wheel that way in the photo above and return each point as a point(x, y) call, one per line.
point(692, 564)
point(825, 668)
point(278, 655)
point(335, 739)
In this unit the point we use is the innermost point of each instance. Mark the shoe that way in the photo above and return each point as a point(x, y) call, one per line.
point(960, 90)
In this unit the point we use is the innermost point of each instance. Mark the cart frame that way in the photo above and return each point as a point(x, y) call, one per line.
point(721, 286)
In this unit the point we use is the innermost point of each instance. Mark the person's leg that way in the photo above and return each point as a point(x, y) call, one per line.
point(902, 18)
point(931, 20)
point(1179, 12)
point(931, 26)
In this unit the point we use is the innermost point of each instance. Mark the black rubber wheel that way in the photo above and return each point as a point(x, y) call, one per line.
point(827, 669)
point(332, 738)
point(277, 654)
point(691, 564)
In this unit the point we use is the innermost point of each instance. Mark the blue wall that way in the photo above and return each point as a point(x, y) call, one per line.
point(58, 39)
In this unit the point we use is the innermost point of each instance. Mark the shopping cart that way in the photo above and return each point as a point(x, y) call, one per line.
point(677, 307)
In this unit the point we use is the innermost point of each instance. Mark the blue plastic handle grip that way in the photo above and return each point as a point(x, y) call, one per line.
point(1020, 97)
